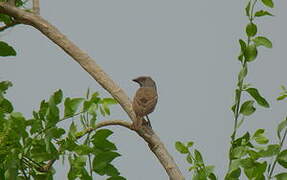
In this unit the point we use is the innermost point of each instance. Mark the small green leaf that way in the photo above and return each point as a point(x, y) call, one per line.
point(281, 176)
point(251, 53)
point(6, 50)
point(247, 9)
point(258, 98)
point(247, 108)
point(71, 106)
point(239, 152)
point(198, 156)
point(4, 85)
point(6, 106)
point(281, 97)
point(109, 101)
point(73, 129)
point(251, 30)
point(268, 3)
point(259, 137)
point(271, 150)
point(263, 13)
point(234, 174)
point(189, 159)
point(262, 41)
point(102, 160)
point(190, 144)
point(58, 96)
point(5, 18)
point(116, 178)
point(100, 140)
point(180, 147)
point(282, 158)
point(242, 74)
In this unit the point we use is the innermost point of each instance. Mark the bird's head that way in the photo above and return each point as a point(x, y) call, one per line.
point(145, 81)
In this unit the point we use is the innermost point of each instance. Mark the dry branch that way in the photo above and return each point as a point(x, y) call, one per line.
point(155, 144)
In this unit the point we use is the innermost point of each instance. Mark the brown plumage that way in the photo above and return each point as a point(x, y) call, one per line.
point(145, 99)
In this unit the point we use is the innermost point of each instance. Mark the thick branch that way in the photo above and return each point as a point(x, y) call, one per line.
point(36, 6)
point(155, 144)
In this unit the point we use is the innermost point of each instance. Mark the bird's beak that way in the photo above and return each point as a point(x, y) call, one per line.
point(136, 80)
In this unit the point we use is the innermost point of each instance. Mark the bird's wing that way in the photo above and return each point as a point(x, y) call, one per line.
point(146, 97)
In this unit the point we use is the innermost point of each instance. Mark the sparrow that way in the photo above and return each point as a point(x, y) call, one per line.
point(145, 99)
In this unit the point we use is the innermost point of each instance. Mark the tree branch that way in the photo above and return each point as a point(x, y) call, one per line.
point(36, 6)
point(103, 124)
point(155, 144)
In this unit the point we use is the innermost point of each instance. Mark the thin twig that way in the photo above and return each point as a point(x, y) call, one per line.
point(36, 6)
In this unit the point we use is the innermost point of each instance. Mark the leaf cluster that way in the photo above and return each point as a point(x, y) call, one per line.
point(28, 145)
point(195, 159)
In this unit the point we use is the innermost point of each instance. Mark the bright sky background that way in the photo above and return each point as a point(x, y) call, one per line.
point(189, 47)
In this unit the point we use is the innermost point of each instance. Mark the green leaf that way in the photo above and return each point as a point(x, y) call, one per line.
point(6, 106)
point(282, 158)
point(247, 108)
point(71, 106)
point(251, 53)
point(4, 85)
point(6, 50)
point(271, 150)
point(263, 13)
point(190, 144)
point(5, 18)
point(109, 101)
point(239, 152)
point(242, 74)
point(100, 140)
point(262, 41)
point(180, 147)
point(110, 170)
point(268, 3)
point(258, 98)
point(198, 156)
point(102, 160)
point(251, 30)
point(242, 48)
point(73, 129)
point(58, 96)
point(247, 9)
point(282, 125)
point(55, 132)
point(281, 176)
point(234, 174)
point(259, 137)
point(116, 178)
point(281, 97)
point(189, 159)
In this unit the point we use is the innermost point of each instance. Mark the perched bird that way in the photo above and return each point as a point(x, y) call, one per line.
point(145, 99)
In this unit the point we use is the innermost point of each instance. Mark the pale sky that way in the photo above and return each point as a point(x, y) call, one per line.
point(189, 47)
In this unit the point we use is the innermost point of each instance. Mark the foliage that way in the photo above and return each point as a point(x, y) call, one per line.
point(249, 154)
point(194, 158)
point(26, 145)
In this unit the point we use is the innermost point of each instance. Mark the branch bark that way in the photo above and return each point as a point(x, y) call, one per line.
point(154, 142)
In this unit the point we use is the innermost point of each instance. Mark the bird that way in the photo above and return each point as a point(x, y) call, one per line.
point(145, 99)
